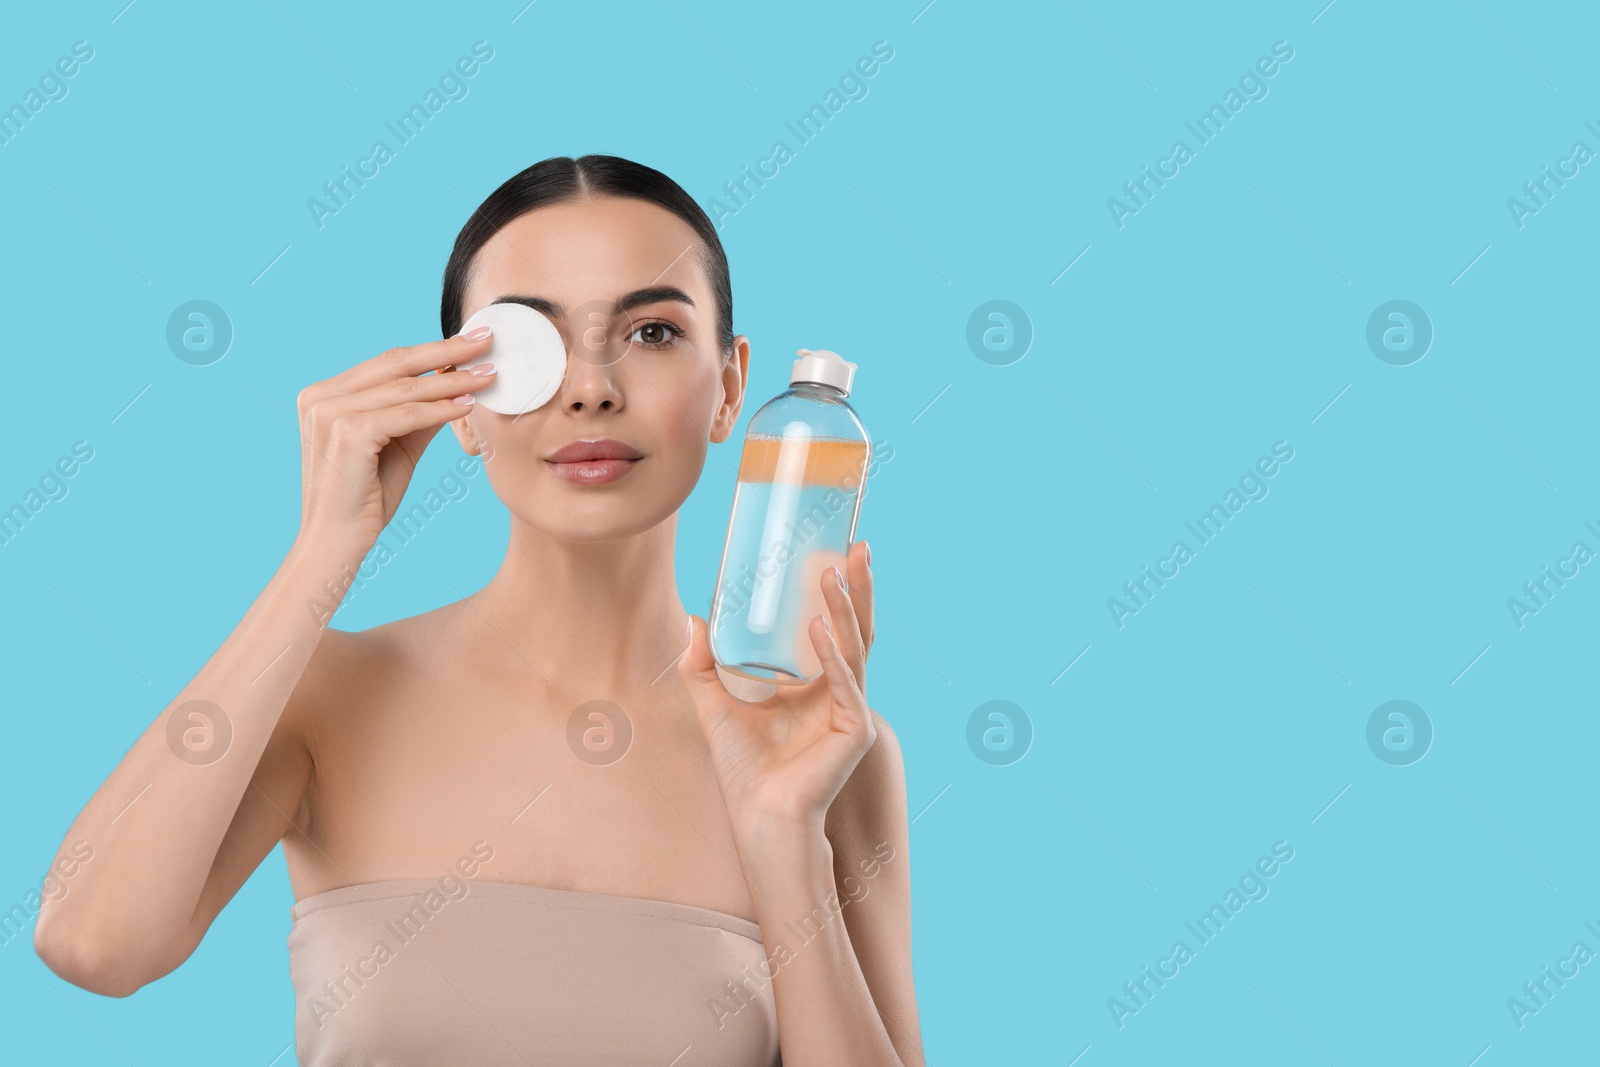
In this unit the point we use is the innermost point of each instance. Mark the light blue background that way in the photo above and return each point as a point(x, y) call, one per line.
point(1223, 317)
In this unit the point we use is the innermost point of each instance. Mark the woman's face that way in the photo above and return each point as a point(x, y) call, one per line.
point(621, 280)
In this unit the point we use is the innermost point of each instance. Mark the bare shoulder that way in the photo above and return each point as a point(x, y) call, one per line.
point(346, 685)
point(342, 661)
point(280, 805)
point(346, 671)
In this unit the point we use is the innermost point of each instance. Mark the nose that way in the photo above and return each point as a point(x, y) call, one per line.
point(591, 382)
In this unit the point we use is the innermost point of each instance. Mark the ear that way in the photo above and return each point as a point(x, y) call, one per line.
point(470, 444)
point(735, 373)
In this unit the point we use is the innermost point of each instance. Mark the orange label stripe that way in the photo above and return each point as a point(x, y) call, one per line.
point(804, 461)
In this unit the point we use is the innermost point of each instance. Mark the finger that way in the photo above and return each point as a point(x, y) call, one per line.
point(444, 385)
point(401, 362)
point(397, 421)
point(846, 625)
point(698, 669)
point(859, 562)
point(850, 703)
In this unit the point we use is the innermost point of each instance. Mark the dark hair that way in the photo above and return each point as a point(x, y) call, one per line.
point(562, 178)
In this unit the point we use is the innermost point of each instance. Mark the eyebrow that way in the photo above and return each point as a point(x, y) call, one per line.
point(628, 302)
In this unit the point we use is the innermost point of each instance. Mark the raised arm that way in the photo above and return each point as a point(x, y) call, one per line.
point(220, 774)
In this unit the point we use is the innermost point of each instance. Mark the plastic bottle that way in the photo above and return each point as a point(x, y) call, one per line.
point(801, 479)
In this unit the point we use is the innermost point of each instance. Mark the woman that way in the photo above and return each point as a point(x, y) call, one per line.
point(480, 875)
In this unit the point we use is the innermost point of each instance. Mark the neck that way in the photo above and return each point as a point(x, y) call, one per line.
point(598, 618)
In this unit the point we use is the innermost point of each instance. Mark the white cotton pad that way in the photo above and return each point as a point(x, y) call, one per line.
point(528, 354)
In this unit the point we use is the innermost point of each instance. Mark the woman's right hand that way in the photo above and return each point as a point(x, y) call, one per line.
point(175, 830)
point(363, 431)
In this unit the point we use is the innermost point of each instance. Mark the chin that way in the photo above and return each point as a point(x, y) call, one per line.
point(583, 518)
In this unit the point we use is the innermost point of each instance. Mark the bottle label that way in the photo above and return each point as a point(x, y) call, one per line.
point(803, 461)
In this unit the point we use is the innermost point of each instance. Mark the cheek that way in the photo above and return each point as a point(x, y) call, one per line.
point(680, 404)
point(510, 446)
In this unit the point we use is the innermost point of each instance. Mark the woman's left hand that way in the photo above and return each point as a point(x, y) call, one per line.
point(781, 761)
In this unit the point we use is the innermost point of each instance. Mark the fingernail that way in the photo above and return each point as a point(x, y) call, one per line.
point(689, 635)
point(825, 624)
point(838, 576)
point(869, 553)
point(466, 400)
point(477, 333)
point(482, 369)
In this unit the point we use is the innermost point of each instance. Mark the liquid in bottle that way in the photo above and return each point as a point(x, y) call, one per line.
point(801, 479)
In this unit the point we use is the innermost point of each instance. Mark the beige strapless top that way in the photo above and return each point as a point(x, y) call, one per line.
point(418, 972)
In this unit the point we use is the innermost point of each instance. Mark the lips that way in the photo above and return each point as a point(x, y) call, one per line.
point(590, 451)
point(593, 462)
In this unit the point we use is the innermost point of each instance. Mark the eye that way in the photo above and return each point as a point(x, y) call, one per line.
point(655, 334)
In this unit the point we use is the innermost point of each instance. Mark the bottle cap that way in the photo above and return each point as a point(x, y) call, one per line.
point(823, 368)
